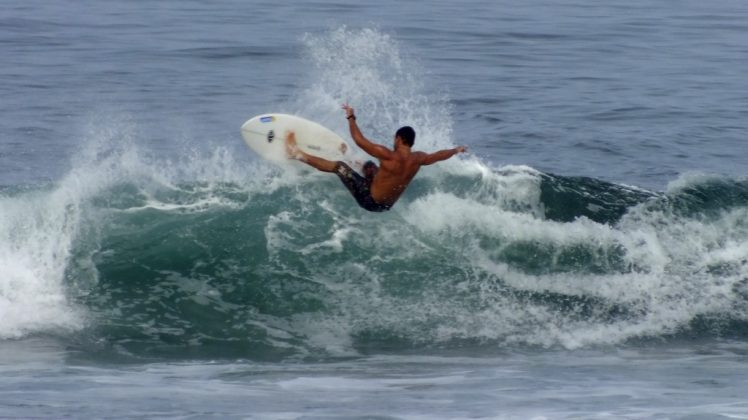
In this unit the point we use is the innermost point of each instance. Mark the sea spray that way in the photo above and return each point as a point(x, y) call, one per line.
point(366, 69)
point(206, 256)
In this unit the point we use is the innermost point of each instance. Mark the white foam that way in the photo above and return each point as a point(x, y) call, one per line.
point(668, 286)
point(40, 229)
point(36, 235)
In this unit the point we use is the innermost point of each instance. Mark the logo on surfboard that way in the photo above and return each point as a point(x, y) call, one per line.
point(267, 119)
point(271, 136)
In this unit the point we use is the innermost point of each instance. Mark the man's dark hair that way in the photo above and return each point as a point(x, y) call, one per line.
point(407, 134)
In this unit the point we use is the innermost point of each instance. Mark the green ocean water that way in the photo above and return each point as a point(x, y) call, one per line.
point(283, 267)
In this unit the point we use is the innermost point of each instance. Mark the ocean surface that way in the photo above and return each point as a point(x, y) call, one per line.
point(587, 259)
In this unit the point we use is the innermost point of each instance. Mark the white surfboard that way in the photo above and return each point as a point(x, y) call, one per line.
point(266, 135)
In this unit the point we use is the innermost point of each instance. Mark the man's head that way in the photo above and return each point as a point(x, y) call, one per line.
point(407, 135)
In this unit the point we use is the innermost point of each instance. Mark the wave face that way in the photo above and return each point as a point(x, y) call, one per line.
point(208, 256)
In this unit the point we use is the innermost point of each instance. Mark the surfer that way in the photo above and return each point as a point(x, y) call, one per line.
point(382, 185)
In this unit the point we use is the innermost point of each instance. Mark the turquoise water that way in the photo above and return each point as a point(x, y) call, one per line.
point(587, 259)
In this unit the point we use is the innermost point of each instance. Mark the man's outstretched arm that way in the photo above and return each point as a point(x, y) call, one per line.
point(376, 150)
point(430, 158)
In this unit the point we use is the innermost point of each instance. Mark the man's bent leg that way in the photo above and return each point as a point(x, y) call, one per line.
point(358, 186)
point(294, 152)
point(370, 170)
point(318, 163)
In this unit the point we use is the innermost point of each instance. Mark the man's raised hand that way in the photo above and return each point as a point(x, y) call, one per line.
point(348, 110)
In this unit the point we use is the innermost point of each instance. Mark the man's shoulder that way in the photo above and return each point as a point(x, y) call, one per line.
point(418, 156)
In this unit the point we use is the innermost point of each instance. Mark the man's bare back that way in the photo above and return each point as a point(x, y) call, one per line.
point(397, 167)
point(394, 175)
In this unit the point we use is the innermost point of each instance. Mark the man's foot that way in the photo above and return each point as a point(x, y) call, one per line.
point(292, 150)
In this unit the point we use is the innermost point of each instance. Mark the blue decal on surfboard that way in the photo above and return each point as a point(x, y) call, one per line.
point(267, 119)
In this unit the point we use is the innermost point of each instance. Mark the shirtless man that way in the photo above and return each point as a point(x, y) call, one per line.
point(380, 187)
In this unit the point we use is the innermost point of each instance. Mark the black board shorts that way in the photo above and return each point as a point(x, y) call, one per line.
point(359, 188)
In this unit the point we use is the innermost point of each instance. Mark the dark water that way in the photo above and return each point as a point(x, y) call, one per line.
point(588, 259)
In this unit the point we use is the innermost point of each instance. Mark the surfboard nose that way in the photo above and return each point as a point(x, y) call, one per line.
point(259, 121)
point(247, 124)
